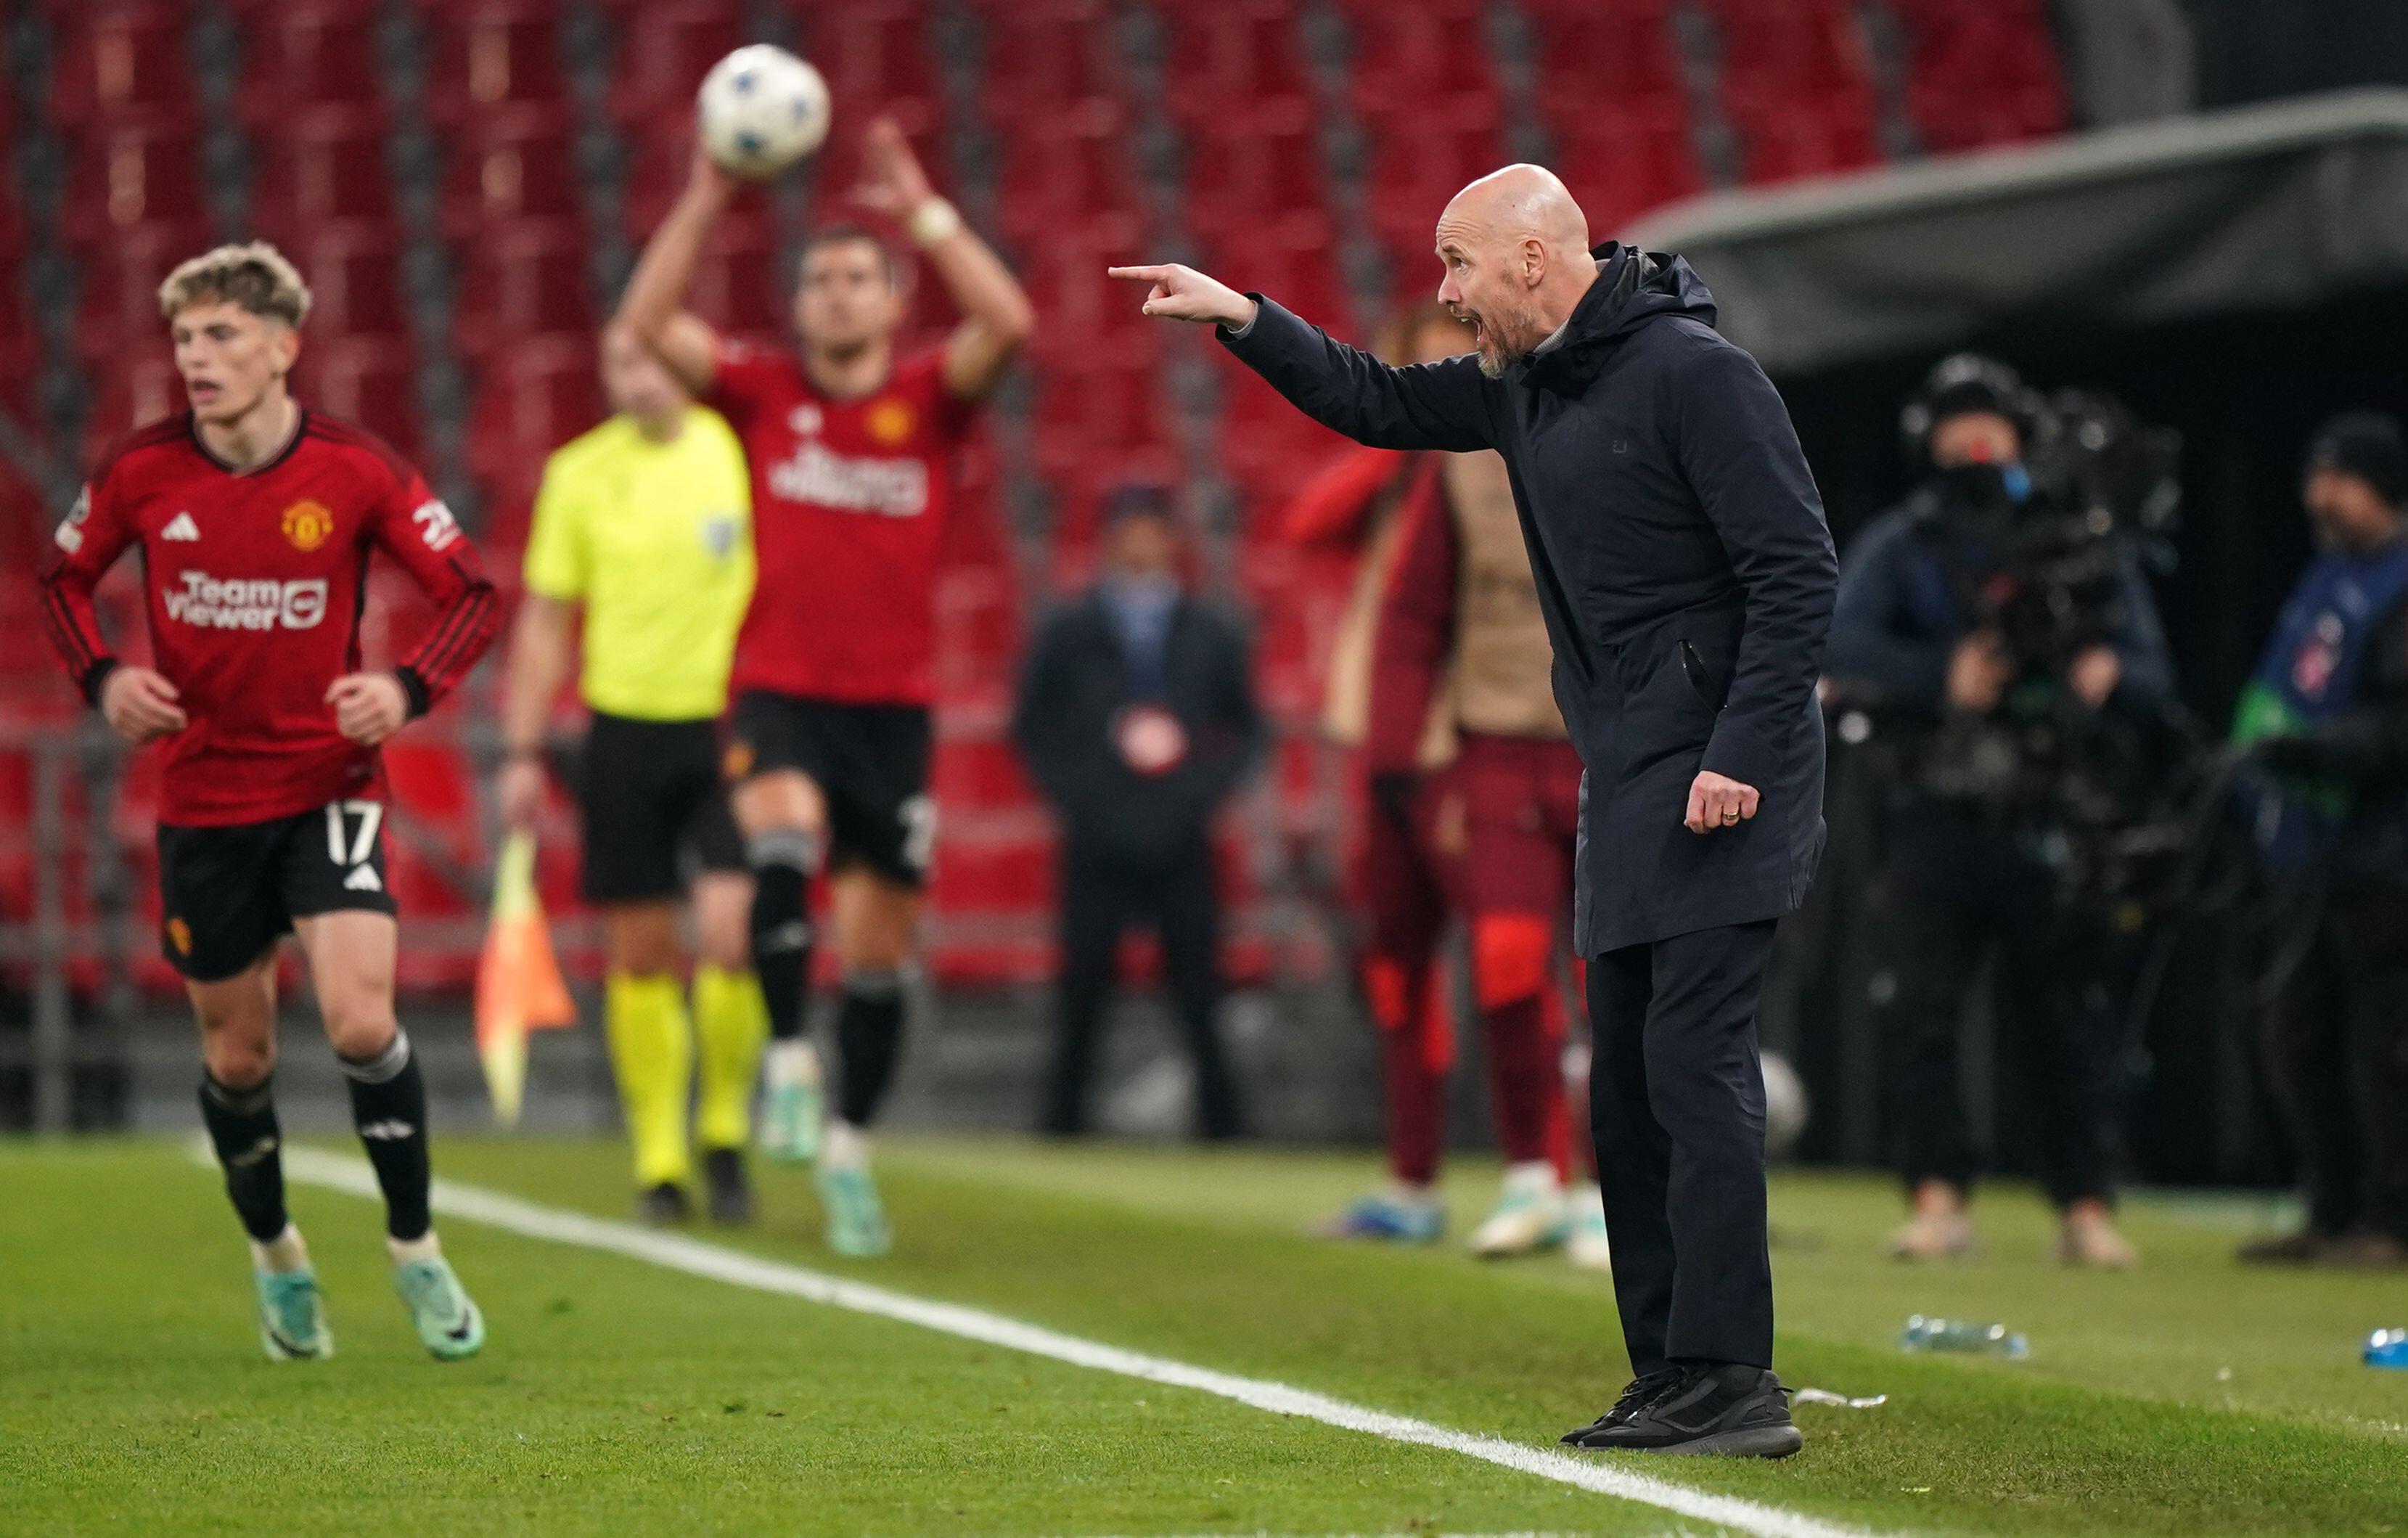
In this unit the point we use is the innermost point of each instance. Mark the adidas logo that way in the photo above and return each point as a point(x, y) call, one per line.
point(181, 527)
point(388, 1131)
point(363, 879)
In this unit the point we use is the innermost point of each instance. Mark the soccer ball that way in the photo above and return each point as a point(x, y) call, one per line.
point(760, 110)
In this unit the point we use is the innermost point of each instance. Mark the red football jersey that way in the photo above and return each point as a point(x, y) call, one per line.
point(849, 501)
point(253, 582)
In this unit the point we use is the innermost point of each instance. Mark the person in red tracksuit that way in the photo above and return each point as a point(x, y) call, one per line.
point(1393, 693)
point(255, 519)
point(1459, 624)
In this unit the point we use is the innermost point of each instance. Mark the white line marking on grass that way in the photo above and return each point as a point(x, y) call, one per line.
point(315, 1167)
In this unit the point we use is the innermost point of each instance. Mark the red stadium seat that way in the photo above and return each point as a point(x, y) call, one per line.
point(528, 401)
point(1620, 167)
point(1605, 55)
point(356, 280)
point(524, 280)
point(117, 296)
point(140, 171)
point(1411, 56)
point(1045, 56)
point(1061, 179)
point(510, 164)
point(1234, 58)
point(877, 55)
point(117, 58)
point(320, 166)
point(488, 54)
point(138, 386)
point(298, 54)
point(663, 50)
point(370, 380)
point(1264, 161)
point(1797, 85)
point(1982, 72)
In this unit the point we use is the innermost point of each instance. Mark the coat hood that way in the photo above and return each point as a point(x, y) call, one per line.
point(1632, 288)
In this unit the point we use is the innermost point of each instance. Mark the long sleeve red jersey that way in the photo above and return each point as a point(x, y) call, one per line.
point(254, 581)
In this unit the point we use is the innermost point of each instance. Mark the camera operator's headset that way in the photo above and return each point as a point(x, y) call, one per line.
point(1967, 382)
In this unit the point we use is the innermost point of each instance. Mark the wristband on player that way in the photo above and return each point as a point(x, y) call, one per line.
point(416, 696)
point(932, 222)
point(95, 678)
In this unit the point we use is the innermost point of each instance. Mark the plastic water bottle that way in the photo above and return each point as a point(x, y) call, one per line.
point(1926, 1334)
point(2387, 1348)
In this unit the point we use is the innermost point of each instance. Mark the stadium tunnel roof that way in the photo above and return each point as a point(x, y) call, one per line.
point(2283, 206)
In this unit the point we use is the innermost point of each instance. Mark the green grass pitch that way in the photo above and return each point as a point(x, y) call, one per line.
point(617, 1397)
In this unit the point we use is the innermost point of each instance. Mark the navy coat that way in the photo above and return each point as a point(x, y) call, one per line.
point(1683, 563)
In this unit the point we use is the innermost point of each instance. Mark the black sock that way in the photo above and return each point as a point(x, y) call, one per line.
point(242, 1128)
point(868, 1040)
point(782, 861)
point(389, 1110)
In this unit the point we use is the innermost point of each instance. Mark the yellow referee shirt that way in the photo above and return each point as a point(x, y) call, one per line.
point(656, 539)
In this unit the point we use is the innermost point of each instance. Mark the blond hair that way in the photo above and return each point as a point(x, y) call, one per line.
point(254, 277)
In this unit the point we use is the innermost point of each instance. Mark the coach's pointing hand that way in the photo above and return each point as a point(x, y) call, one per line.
point(139, 704)
point(368, 707)
point(1184, 293)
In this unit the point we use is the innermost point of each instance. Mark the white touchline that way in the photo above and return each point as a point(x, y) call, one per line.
point(315, 1167)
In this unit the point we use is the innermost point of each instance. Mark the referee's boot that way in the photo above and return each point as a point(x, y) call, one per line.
point(1723, 1408)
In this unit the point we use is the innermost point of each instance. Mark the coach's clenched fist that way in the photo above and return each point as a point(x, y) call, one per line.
point(1184, 293)
point(1717, 800)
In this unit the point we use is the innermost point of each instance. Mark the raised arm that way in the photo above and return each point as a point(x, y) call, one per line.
point(1445, 405)
point(651, 307)
point(996, 317)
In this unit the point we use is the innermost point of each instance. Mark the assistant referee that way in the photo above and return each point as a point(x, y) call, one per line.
point(645, 525)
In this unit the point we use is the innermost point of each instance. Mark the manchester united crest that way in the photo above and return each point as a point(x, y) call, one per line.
point(888, 422)
point(307, 525)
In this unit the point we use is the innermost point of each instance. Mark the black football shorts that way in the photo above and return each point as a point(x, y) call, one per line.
point(870, 761)
point(227, 894)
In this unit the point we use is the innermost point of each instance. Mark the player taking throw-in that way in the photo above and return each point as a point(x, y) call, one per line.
point(852, 451)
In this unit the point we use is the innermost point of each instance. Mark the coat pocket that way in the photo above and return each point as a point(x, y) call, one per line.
point(1710, 691)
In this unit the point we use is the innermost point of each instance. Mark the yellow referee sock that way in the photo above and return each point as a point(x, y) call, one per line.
point(731, 1020)
point(652, 1050)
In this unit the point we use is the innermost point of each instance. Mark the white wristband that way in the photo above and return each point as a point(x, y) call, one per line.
point(932, 222)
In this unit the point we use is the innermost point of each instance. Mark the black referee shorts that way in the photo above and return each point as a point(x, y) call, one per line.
point(655, 807)
point(869, 761)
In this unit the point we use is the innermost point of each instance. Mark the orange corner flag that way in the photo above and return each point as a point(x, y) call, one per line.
point(519, 986)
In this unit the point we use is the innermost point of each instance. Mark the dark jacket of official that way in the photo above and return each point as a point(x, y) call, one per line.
point(1073, 691)
point(1683, 564)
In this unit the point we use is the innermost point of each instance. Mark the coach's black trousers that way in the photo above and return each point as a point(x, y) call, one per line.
point(2336, 1044)
point(1676, 1107)
point(1101, 896)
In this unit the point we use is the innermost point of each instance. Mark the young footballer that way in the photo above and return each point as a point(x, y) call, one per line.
point(254, 519)
point(851, 450)
point(642, 544)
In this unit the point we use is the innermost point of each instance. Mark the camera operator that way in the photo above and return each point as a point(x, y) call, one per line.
point(2326, 719)
point(1935, 636)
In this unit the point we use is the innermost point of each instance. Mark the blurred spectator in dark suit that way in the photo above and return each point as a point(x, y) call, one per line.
point(2326, 723)
point(1137, 717)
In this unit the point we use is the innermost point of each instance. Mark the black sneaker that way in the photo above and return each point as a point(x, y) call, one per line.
point(1723, 1408)
point(1645, 1386)
point(664, 1206)
point(731, 1194)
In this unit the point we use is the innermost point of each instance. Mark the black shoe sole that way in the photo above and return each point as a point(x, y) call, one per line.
point(1746, 1441)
